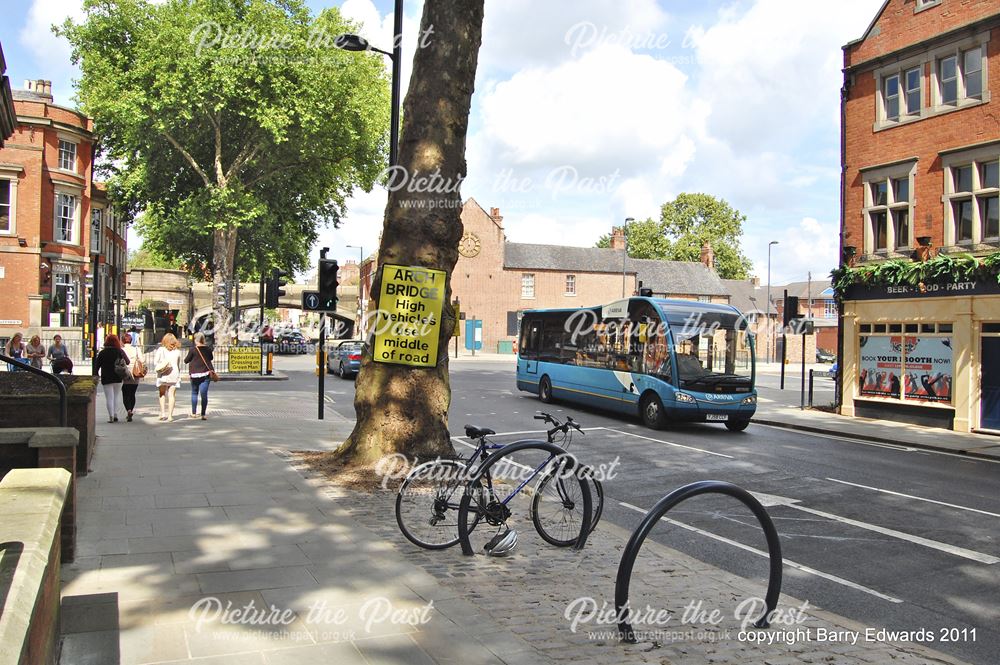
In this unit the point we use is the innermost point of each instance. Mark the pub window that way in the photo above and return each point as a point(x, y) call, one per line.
point(865, 327)
point(972, 201)
point(571, 285)
point(887, 212)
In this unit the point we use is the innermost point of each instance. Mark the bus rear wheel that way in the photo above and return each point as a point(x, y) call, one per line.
point(651, 411)
point(737, 425)
point(545, 390)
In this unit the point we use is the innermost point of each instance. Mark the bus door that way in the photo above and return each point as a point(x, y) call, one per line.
point(531, 335)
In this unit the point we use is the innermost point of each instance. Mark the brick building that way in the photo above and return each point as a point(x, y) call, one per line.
point(921, 155)
point(52, 216)
point(8, 116)
point(495, 280)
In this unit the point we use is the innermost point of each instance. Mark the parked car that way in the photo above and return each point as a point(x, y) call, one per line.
point(824, 356)
point(834, 368)
point(292, 342)
point(345, 360)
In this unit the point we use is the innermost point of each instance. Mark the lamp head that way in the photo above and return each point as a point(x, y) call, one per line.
point(351, 42)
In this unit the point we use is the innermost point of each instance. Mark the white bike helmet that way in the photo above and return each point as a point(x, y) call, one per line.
point(502, 544)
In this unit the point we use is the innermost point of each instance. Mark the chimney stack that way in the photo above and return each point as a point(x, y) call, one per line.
point(708, 256)
point(755, 280)
point(617, 237)
point(40, 87)
point(496, 216)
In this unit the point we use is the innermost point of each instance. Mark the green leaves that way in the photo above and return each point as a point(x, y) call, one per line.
point(942, 269)
point(685, 225)
point(223, 114)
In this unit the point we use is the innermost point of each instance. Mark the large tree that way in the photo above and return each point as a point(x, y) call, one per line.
point(399, 408)
point(685, 225)
point(232, 125)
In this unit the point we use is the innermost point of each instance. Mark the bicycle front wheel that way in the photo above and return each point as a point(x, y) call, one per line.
point(557, 506)
point(427, 504)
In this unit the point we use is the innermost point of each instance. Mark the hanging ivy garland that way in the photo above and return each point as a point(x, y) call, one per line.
point(942, 269)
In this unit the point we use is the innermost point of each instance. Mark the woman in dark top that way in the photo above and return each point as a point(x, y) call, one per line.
point(199, 362)
point(111, 381)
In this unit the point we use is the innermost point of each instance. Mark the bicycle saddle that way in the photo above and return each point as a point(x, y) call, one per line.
point(477, 432)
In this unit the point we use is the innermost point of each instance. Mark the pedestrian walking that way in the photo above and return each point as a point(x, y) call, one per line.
point(167, 365)
point(201, 372)
point(15, 349)
point(137, 370)
point(56, 352)
point(112, 365)
point(35, 352)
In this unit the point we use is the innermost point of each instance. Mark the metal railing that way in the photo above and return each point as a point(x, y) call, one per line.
point(60, 386)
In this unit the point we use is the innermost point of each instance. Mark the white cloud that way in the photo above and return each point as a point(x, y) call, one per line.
point(528, 33)
point(598, 113)
point(772, 73)
point(51, 54)
point(809, 246)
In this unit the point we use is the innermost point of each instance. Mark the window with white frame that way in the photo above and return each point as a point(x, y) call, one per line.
point(528, 285)
point(829, 309)
point(972, 199)
point(888, 203)
point(571, 285)
point(65, 219)
point(6, 206)
point(925, 4)
point(960, 76)
point(67, 155)
point(902, 93)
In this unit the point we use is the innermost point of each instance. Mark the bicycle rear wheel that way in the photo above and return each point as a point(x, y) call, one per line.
point(427, 504)
point(557, 506)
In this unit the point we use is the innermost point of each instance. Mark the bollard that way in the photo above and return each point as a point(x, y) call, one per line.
point(270, 362)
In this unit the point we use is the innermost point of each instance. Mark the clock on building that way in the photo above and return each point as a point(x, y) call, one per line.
point(469, 245)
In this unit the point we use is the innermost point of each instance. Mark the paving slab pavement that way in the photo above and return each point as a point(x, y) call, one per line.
point(198, 544)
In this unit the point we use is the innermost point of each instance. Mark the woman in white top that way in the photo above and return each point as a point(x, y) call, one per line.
point(167, 365)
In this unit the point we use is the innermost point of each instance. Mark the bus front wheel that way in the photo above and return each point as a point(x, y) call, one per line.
point(545, 390)
point(651, 411)
point(737, 425)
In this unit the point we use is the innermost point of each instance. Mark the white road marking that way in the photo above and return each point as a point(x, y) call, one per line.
point(988, 559)
point(890, 446)
point(754, 550)
point(918, 498)
point(669, 443)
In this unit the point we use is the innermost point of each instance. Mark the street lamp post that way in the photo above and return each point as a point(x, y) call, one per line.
point(361, 291)
point(350, 42)
point(767, 313)
point(625, 250)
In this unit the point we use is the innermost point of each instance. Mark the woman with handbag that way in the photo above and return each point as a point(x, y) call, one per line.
point(167, 365)
point(112, 365)
point(137, 370)
point(202, 373)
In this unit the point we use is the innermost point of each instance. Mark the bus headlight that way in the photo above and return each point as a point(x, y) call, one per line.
point(684, 397)
point(752, 399)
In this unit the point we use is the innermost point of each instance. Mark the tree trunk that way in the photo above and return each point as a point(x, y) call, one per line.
point(223, 257)
point(403, 409)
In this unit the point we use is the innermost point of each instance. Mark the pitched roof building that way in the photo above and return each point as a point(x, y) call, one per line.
point(495, 280)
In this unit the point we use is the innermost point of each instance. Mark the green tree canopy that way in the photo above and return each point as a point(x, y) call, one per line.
point(144, 257)
point(234, 126)
point(685, 225)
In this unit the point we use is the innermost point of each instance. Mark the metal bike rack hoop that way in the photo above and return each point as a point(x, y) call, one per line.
point(555, 451)
point(680, 494)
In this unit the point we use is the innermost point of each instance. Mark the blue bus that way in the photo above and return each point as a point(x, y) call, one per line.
point(663, 360)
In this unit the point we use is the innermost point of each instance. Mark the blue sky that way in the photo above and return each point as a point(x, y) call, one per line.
point(589, 111)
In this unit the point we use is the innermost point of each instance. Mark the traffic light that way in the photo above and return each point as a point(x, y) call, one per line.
point(791, 309)
point(328, 284)
point(274, 291)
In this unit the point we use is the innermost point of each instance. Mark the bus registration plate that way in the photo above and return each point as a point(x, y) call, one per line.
point(716, 416)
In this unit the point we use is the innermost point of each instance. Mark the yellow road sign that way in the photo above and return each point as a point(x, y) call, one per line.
point(408, 321)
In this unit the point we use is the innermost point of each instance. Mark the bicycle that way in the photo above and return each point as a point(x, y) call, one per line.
point(427, 503)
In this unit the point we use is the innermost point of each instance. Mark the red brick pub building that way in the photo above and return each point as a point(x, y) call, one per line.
point(921, 156)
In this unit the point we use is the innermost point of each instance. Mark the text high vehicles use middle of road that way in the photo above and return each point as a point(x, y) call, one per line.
point(661, 359)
